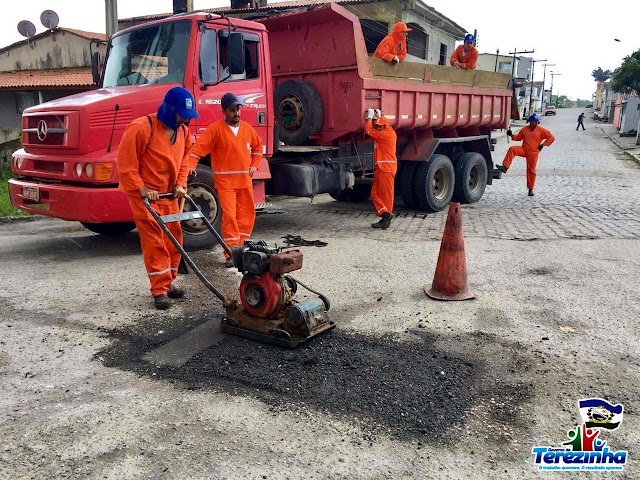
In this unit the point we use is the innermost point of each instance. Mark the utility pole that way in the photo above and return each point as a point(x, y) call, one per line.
point(551, 95)
point(495, 69)
point(544, 76)
point(111, 16)
point(532, 103)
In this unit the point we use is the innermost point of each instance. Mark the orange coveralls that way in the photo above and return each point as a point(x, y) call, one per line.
point(147, 158)
point(529, 149)
point(391, 45)
point(231, 157)
point(467, 60)
point(385, 165)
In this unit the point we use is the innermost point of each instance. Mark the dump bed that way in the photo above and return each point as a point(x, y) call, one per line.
point(325, 47)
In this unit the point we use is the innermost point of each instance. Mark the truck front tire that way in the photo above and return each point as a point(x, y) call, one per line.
point(299, 111)
point(195, 234)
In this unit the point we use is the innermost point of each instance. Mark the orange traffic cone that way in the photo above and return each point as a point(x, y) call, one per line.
point(450, 279)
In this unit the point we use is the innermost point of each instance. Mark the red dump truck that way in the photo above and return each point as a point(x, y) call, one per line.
point(305, 78)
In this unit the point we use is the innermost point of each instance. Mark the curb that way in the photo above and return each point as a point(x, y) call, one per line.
point(19, 218)
point(622, 147)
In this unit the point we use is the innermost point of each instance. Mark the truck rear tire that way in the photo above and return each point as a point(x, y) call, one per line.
point(299, 111)
point(195, 234)
point(115, 228)
point(471, 177)
point(434, 182)
point(405, 183)
point(359, 193)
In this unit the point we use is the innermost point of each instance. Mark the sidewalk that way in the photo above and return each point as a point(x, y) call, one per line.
point(627, 144)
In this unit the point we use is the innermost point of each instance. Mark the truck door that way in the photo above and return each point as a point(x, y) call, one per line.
point(215, 80)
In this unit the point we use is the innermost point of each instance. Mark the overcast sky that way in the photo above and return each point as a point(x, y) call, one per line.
point(576, 36)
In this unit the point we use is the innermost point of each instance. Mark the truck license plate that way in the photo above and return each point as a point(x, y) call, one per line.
point(31, 193)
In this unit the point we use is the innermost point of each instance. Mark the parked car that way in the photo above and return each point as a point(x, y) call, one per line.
point(550, 110)
point(588, 105)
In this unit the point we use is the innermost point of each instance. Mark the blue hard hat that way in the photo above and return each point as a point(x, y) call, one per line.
point(533, 118)
point(468, 38)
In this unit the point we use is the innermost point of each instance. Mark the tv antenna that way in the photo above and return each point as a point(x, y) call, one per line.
point(26, 29)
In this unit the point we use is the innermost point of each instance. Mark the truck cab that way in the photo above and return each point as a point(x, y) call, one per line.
point(67, 166)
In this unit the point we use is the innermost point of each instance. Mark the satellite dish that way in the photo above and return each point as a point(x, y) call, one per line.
point(49, 19)
point(26, 28)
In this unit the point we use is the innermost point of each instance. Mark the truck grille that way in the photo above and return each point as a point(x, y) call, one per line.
point(45, 129)
point(106, 118)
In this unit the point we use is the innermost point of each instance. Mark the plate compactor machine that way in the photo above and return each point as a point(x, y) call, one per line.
point(268, 310)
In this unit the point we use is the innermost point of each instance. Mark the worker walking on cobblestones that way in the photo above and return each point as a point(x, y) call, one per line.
point(385, 165)
point(534, 138)
point(580, 122)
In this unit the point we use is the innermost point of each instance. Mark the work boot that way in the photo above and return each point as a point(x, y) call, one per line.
point(502, 168)
point(386, 220)
point(228, 263)
point(161, 302)
point(531, 192)
point(176, 292)
point(379, 223)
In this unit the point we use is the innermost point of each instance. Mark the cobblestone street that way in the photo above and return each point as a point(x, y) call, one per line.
point(586, 188)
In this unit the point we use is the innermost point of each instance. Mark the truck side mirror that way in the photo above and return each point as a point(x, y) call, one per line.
point(235, 45)
point(95, 67)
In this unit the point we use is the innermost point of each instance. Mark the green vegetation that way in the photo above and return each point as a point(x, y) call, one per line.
point(600, 75)
point(626, 78)
point(6, 208)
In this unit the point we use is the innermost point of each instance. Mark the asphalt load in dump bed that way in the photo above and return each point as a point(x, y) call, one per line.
point(405, 387)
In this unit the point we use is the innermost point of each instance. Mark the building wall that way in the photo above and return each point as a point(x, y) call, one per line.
point(393, 12)
point(63, 50)
point(487, 62)
point(630, 116)
point(9, 117)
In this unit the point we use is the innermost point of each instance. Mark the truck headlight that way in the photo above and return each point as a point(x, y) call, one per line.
point(79, 169)
point(88, 169)
point(19, 162)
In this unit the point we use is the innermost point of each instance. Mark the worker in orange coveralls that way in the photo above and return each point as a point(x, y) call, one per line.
point(393, 47)
point(152, 160)
point(385, 165)
point(533, 137)
point(236, 152)
point(465, 56)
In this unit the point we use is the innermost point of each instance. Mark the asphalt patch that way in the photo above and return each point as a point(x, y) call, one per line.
point(402, 385)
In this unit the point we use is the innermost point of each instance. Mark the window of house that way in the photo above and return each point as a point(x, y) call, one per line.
point(504, 67)
point(443, 54)
point(417, 41)
point(373, 32)
point(25, 100)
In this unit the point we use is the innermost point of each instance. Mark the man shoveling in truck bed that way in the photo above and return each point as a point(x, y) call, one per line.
point(393, 47)
point(465, 56)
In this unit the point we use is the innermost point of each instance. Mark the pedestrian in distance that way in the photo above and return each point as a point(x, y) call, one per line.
point(152, 160)
point(385, 165)
point(236, 151)
point(466, 55)
point(393, 47)
point(534, 138)
point(580, 122)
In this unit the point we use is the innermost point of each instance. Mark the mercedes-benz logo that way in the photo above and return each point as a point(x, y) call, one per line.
point(42, 130)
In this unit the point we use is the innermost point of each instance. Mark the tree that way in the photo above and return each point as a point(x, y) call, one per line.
point(601, 75)
point(626, 77)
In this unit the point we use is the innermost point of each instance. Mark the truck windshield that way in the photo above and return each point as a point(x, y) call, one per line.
point(155, 54)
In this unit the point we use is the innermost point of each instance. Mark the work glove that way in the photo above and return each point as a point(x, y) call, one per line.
point(395, 59)
point(369, 114)
point(377, 114)
point(509, 133)
point(540, 147)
